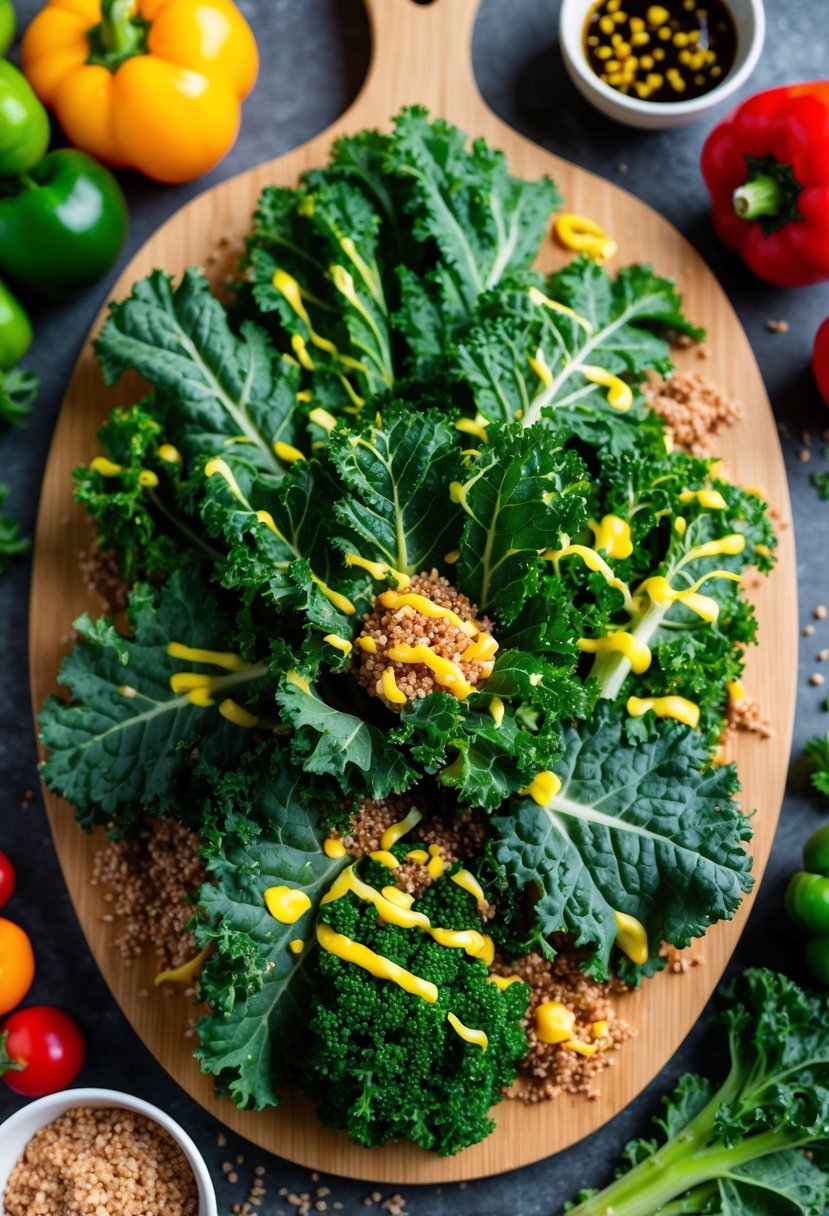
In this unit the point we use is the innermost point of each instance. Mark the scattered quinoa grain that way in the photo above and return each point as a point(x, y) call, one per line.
point(803, 455)
point(817, 679)
point(808, 630)
point(777, 327)
point(821, 612)
point(694, 409)
point(822, 655)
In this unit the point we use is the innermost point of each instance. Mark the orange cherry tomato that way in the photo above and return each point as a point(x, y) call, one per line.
point(17, 965)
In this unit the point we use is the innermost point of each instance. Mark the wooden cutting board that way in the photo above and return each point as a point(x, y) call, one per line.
point(422, 54)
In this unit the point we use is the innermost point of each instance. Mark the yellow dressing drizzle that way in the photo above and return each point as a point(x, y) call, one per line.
point(398, 830)
point(435, 866)
point(554, 1022)
point(221, 468)
point(538, 297)
point(216, 658)
point(390, 690)
point(487, 953)
point(148, 479)
point(468, 882)
point(504, 981)
point(612, 534)
point(333, 848)
point(480, 649)
point(237, 714)
point(593, 561)
point(543, 787)
point(186, 681)
point(419, 856)
point(298, 681)
point(343, 644)
point(106, 468)
point(541, 367)
point(420, 603)
point(677, 708)
point(385, 858)
point(735, 691)
point(478, 1037)
point(395, 896)
point(712, 500)
point(296, 945)
point(378, 570)
point(473, 426)
point(496, 708)
point(340, 602)
point(451, 557)
point(680, 525)
point(287, 286)
point(201, 696)
point(381, 968)
point(447, 674)
point(581, 233)
point(286, 904)
point(304, 395)
point(187, 972)
point(619, 394)
point(599, 1029)
point(636, 652)
point(583, 1049)
point(391, 913)
point(287, 452)
point(631, 938)
point(323, 419)
point(730, 545)
point(368, 645)
point(169, 454)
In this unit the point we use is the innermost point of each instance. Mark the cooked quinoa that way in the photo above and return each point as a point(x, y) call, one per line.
point(387, 627)
point(549, 1069)
point(695, 410)
point(154, 880)
point(105, 1162)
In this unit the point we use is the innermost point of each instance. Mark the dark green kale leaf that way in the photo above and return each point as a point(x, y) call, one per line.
point(18, 390)
point(265, 833)
point(815, 763)
point(127, 737)
point(12, 544)
point(649, 830)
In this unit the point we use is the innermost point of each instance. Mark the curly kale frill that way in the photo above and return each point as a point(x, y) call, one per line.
point(385, 1064)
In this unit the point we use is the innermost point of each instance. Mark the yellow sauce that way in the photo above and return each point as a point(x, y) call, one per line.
point(296, 945)
point(368, 645)
point(395, 896)
point(711, 500)
point(451, 557)
point(390, 690)
point(398, 830)
point(469, 940)
point(554, 1022)
point(636, 652)
point(584, 235)
point(594, 562)
point(504, 981)
point(340, 602)
point(333, 848)
point(481, 649)
point(543, 787)
point(436, 866)
point(599, 1029)
point(385, 858)
point(612, 534)
point(298, 681)
point(680, 525)
point(381, 968)
point(419, 856)
point(323, 419)
point(169, 454)
point(286, 904)
point(343, 644)
point(619, 394)
point(538, 297)
point(148, 479)
point(582, 1048)
point(420, 603)
point(106, 468)
point(735, 691)
point(187, 972)
point(541, 368)
point(468, 882)
point(186, 681)
point(220, 468)
point(496, 708)
point(216, 658)
point(487, 953)
point(446, 673)
point(391, 913)
point(473, 426)
point(287, 452)
point(478, 1037)
point(729, 545)
point(287, 286)
point(677, 708)
point(378, 570)
point(300, 348)
point(631, 938)
point(237, 714)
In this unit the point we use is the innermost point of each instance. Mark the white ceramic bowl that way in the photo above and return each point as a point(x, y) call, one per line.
point(750, 20)
point(18, 1130)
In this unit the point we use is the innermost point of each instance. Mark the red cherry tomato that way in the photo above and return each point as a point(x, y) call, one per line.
point(17, 965)
point(48, 1043)
point(820, 360)
point(7, 879)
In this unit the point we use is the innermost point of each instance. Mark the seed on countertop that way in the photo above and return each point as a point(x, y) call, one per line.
point(808, 630)
point(822, 656)
point(777, 327)
point(821, 612)
point(817, 679)
point(803, 455)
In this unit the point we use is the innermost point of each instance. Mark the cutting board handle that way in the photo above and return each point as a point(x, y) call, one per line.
point(421, 54)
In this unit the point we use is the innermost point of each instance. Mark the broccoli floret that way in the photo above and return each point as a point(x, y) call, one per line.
point(385, 1064)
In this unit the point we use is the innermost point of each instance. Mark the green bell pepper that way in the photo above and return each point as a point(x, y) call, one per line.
point(24, 124)
point(15, 330)
point(62, 225)
point(8, 25)
point(816, 851)
point(807, 902)
point(817, 959)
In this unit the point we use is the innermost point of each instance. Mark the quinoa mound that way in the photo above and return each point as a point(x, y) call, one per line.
point(389, 627)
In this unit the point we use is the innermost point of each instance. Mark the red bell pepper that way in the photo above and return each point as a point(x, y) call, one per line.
point(820, 360)
point(767, 170)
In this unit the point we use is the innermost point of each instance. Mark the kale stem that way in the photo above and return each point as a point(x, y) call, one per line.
point(692, 1203)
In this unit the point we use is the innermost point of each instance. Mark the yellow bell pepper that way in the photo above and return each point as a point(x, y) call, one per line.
point(154, 85)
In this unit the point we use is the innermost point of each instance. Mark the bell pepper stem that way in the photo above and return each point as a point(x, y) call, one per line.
point(760, 195)
point(119, 35)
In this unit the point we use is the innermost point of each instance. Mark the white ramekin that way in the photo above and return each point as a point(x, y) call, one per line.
point(750, 20)
point(18, 1130)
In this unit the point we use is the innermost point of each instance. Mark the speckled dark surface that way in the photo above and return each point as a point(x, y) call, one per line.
point(315, 53)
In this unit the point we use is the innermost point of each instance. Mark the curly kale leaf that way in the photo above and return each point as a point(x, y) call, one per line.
point(211, 385)
point(520, 493)
point(815, 761)
point(650, 830)
point(12, 544)
point(265, 835)
point(127, 737)
point(18, 390)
